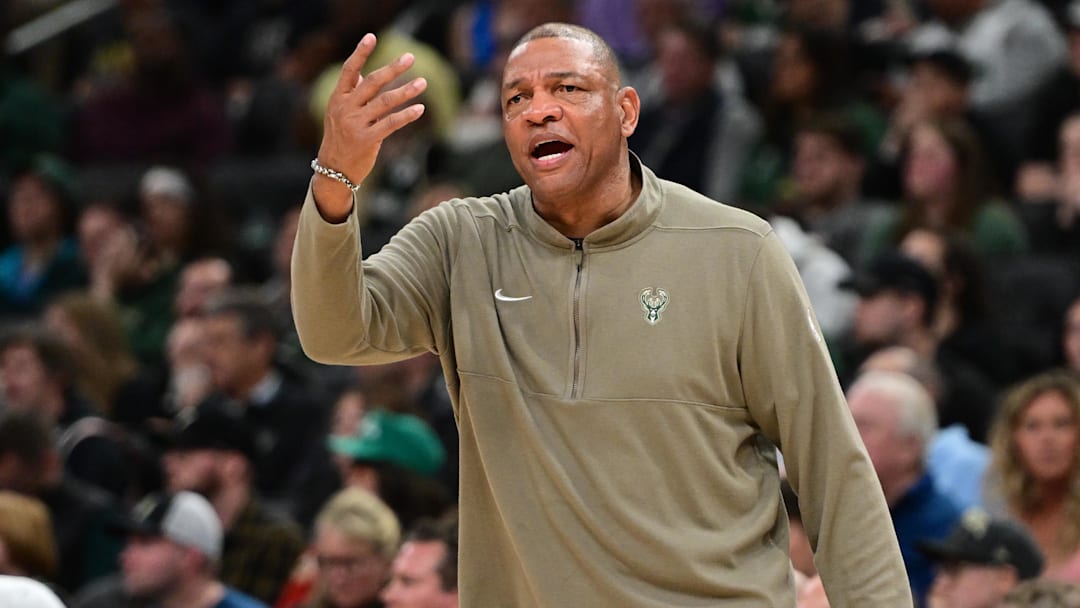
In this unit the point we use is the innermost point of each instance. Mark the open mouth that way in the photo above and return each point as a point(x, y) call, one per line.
point(550, 150)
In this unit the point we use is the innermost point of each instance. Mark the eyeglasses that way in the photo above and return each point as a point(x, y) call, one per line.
point(350, 564)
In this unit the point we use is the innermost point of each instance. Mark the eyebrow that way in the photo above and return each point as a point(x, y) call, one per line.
point(513, 84)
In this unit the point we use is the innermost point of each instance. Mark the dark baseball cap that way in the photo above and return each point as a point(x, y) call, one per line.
point(894, 271)
point(946, 60)
point(982, 539)
point(211, 427)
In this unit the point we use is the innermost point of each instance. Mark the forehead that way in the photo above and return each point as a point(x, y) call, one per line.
point(544, 56)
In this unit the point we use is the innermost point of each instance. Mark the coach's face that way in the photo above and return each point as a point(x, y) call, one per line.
point(565, 120)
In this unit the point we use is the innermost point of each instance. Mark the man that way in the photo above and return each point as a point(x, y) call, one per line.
point(424, 573)
point(286, 417)
point(981, 561)
point(896, 420)
point(619, 397)
point(212, 454)
point(897, 303)
point(173, 549)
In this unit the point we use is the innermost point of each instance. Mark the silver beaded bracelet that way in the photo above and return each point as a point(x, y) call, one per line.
point(338, 175)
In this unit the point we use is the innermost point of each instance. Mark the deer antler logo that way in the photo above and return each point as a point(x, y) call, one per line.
point(653, 301)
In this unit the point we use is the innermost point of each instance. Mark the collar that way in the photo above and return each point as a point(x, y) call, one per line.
point(626, 228)
point(266, 389)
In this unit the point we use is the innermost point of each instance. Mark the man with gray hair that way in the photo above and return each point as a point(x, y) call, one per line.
point(897, 422)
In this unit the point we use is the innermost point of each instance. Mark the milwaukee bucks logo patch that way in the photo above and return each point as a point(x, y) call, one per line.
point(653, 301)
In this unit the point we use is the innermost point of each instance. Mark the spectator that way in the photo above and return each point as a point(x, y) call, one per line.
point(897, 301)
point(200, 282)
point(43, 258)
point(424, 573)
point(1052, 213)
point(964, 322)
point(27, 543)
point(395, 456)
point(174, 544)
point(981, 561)
point(212, 453)
point(1015, 47)
point(106, 370)
point(356, 536)
point(826, 176)
point(37, 374)
point(694, 133)
point(957, 463)
point(945, 187)
point(895, 418)
point(292, 467)
point(1036, 465)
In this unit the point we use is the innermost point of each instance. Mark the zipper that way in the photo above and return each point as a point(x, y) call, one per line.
point(579, 249)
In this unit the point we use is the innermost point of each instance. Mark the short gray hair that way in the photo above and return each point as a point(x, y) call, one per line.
point(915, 412)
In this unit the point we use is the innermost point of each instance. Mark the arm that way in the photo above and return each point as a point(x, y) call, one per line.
point(346, 312)
point(793, 395)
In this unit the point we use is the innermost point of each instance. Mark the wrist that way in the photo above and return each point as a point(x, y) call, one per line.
point(333, 199)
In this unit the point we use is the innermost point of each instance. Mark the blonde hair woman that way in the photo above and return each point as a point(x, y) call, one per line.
point(1035, 467)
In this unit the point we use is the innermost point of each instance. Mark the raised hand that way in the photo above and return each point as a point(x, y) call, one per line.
point(359, 116)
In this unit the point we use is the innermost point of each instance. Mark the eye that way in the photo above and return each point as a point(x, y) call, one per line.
point(513, 100)
point(568, 88)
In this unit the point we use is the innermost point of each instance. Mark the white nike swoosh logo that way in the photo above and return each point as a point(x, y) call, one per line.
point(499, 296)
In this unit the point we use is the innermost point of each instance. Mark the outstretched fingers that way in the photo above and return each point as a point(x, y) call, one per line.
point(350, 70)
point(370, 85)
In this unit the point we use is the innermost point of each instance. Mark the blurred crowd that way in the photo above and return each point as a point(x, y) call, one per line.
point(920, 159)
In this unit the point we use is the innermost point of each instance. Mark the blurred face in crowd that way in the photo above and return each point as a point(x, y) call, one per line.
point(237, 362)
point(964, 585)
point(686, 71)
point(150, 565)
point(166, 222)
point(565, 121)
point(939, 94)
point(195, 470)
point(1071, 340)
point(350, 571)
point(200, 281)
point(877, 418)
point(26, 381)
point(930, 168)
point(927, 247)
point(98, 225)
point(794, 76)
point(415, 580)
point(824, 172)
point(880, 318)
point(33, 210)
point(1045, 438)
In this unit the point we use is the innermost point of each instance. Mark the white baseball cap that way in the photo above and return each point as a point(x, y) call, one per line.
point(26, 593)
point(185, 518)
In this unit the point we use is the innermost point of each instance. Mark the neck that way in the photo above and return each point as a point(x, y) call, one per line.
point(580, 213)
point(230, 501)
point(201, 592)
point(921, 340)
point(243, 390)
point(897, 488)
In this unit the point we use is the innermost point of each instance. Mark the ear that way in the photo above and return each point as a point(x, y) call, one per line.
point(630, 108)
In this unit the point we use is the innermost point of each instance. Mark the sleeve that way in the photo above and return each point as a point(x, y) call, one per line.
point(386, 308)
point(795, 398)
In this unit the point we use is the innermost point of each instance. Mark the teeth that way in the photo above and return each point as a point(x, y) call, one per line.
point(551, 156)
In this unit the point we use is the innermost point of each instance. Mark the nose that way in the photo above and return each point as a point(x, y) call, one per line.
point(543, 108)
